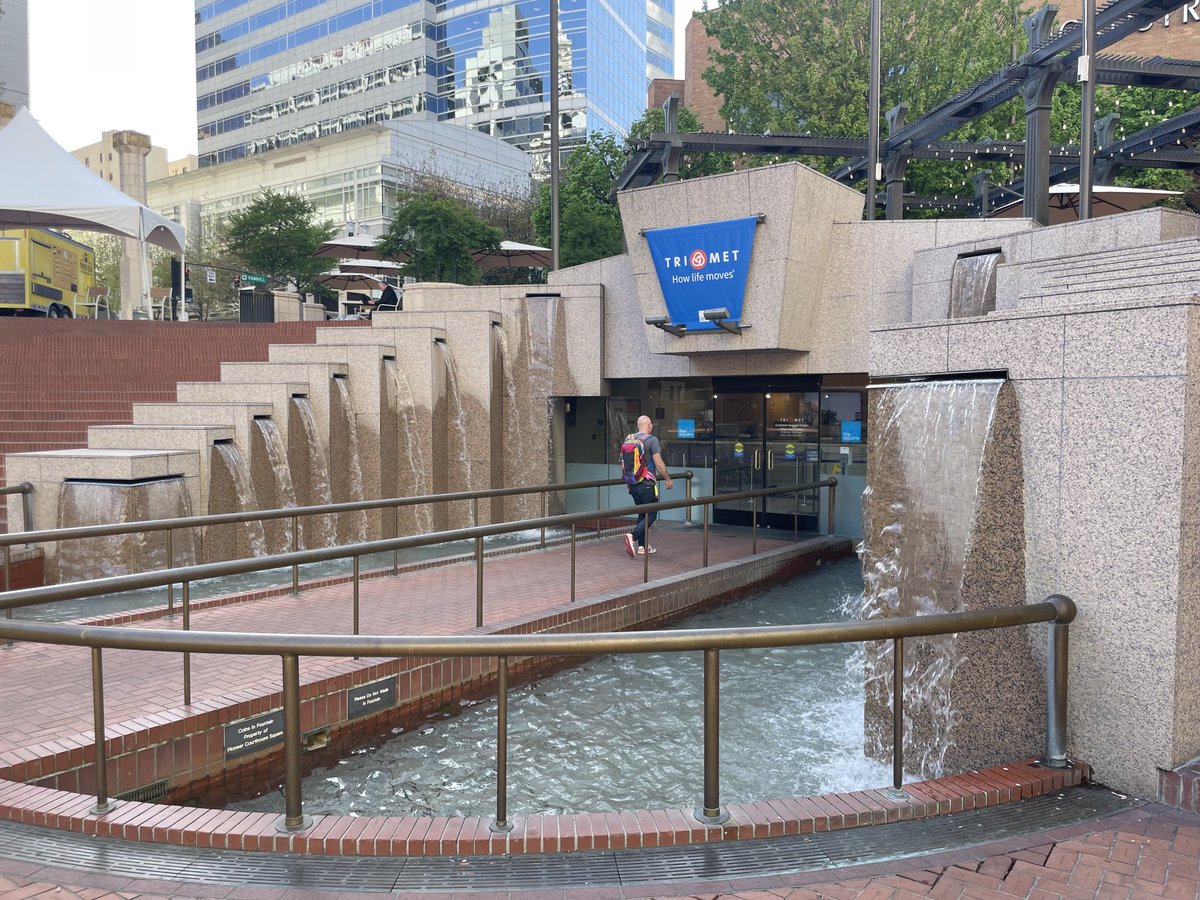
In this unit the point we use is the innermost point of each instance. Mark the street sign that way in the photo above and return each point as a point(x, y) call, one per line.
point(210, 276)
point(252, 278)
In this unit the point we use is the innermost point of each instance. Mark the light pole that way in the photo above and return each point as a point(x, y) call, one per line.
point(1087, 58)
point(873, 109)
point(553, 135)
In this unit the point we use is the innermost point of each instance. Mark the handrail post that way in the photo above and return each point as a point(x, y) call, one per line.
point(599, 508)
point(707, 509)
point(293, 817)
point(832, 505)
point(501, 823)
point(171, 565)
point(572, 562)
point(795, 517)
point(8, 645)
point(478, 582)
point(687, 484)
point(27, 506)
point(357, 606)
point(711, 813)
point(187, 657)
point(897, 790)
point(102, 805)
point(1056, 697)
point(475, 511)
point(754, 529)
point(295, 565)
point(543, 541)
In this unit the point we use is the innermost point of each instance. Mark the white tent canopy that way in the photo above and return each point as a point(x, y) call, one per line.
point(44, 186)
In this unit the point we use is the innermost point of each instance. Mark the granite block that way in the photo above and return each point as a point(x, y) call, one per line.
point(1026, 347)
point(913, 350)
point(1120, 343)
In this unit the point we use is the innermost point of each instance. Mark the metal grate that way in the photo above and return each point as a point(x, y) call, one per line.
point(150, 793)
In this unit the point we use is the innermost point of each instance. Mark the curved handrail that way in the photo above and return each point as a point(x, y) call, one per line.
point(1056, 609)
point(287, 512)
point(296, 558)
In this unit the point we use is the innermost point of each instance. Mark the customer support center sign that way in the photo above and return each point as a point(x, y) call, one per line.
point(703, 267)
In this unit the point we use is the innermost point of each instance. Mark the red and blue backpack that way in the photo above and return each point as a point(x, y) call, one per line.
point(633, 460)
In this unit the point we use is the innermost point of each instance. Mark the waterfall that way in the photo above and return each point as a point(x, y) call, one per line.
point(285, 491)
point(236, 480)
point(973, 286)
point(104, 503)
point(462, 480)
point(317, 530)
point(541, 326)
point(412, 469)
point(352, 526)
point(928, 442)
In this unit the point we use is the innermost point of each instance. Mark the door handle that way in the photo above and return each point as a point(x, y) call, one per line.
point(770, 460)
point(757, 461)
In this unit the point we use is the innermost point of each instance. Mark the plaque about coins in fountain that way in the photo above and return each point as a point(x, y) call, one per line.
point(370, 698)
point(251, 735)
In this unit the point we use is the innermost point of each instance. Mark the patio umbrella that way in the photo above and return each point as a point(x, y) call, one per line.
point(371, 267)
point(357, 246)
point(349, 281)
point(1106, 200)
point(512, 254)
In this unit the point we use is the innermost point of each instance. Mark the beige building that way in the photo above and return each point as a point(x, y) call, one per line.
point(104, 158)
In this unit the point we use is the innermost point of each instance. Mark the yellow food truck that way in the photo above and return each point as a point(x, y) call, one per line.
point(44, 273)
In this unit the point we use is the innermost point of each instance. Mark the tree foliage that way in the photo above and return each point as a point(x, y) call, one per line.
point(276, 236)
point(434, 237)
point(589, 221)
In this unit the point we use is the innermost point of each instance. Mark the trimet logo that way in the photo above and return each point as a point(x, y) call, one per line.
point(699, 258)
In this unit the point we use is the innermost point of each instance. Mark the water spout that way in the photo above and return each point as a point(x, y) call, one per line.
point(231, 490)
point(973, 285)
point(312, 476)
point(411, 468)
point(281, 492)
point(347, 471)
point(105, 502)
point(460, 476)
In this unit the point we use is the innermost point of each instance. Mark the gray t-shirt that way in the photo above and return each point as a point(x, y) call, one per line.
point(652, 446)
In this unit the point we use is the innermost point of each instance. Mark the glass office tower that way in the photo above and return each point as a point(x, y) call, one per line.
point(273, 73)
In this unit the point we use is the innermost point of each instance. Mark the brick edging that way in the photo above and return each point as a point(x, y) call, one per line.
point(471, 836)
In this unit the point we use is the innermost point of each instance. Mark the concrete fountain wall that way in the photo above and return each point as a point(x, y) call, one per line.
point(348, 428)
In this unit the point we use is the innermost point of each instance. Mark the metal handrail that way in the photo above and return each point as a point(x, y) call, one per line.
point(255, 515)
point(186, 574)
point(1056, 609)
point(25, 488)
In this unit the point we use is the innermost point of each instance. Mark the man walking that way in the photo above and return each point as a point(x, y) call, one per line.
point(641, 466)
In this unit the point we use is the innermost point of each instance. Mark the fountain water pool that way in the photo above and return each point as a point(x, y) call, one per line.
point(626, 732)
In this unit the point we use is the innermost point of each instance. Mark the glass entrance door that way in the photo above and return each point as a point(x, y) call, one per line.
point(737, 453)
point(766, 439)
point(792, 457)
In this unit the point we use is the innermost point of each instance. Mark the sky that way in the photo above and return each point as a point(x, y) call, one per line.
point(112, 65)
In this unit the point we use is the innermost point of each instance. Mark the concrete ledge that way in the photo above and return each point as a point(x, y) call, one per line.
point(445, 836)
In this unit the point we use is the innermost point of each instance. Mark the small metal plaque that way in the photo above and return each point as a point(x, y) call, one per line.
point(251, 735)
point(370, 698)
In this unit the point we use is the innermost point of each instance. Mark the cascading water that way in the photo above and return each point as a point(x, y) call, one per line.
point(352, 526)
point(462, 479)
point(973, 285)
point(318, 531)
point(512, 422)
point(541, 328)
point(284, 489)
point(235, 478)
point(928, 443)
point(413, 470)
point(103, 503)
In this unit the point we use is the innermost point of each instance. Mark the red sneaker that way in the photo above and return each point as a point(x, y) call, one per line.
point(629, 546)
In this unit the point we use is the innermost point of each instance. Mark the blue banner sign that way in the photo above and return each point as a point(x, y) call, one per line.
point(703, 267)
point(852, 432)
point(685, 428)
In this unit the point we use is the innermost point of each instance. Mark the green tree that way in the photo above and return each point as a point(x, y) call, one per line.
point(589, 221)
point(277, 235)
point(693, 165)
point(434, 237)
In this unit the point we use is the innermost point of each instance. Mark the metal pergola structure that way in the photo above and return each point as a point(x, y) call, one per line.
point(1034, 76)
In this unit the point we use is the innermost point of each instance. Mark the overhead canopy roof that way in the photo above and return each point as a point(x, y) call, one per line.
point(44, 186)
